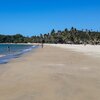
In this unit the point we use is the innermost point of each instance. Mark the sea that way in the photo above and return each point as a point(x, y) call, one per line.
point(10, 51)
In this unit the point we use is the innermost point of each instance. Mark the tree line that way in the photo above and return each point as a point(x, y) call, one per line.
point(72, 36)
point(18, 38)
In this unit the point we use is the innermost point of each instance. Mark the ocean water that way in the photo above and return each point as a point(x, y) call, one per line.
point(9, 51)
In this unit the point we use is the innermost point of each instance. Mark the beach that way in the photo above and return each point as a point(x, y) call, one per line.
point(51, 73)
point(91, 50)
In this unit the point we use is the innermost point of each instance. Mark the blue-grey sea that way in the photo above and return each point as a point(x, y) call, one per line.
point(9, 51)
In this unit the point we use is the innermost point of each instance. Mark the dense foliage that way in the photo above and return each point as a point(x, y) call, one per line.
point(18, 38)
point(72, 36)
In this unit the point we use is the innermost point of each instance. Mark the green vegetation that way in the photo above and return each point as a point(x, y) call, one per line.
point(72, 36)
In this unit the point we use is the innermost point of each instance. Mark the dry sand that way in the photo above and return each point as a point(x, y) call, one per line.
point(92, 50)
point(51, 73)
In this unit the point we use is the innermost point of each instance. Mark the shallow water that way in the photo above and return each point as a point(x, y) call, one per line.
point(9, 51)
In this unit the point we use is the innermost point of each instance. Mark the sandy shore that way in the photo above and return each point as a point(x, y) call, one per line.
point(92, 50)
point(51, 73)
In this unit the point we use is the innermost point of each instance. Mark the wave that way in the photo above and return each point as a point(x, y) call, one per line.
point(2, 55)
point(6, 58)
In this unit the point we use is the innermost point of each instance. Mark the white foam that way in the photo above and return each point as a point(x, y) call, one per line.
point(2, 55)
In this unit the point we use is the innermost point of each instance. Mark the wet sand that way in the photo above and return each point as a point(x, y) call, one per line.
point(51, 73)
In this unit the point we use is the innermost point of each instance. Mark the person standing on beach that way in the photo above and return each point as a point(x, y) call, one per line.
point(42, 43)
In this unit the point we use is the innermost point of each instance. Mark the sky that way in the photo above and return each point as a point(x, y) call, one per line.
point(34, 17)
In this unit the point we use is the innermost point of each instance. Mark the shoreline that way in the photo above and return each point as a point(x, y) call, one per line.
point(4, 59)
point(90, 50)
